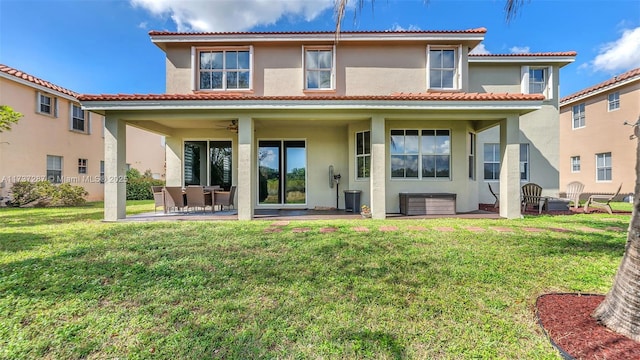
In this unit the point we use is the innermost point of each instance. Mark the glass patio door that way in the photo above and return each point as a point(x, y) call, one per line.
point(282, 172)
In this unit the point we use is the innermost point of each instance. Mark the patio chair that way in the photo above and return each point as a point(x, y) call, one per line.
point(496, 204)
point(196, 198)
point(532, 197)
point(158, 198)
point(224, 198)
point(574, 190)
point(174, 198)
point(601, 201)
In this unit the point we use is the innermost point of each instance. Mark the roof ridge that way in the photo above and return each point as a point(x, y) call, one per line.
point(612, 81)
point(6, 69)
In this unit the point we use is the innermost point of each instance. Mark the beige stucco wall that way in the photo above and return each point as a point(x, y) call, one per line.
point(24, 149)
point(360, 69)
point(496, 78)
point(603, 132)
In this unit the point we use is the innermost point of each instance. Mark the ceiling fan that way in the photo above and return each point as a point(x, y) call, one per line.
point(231, 126)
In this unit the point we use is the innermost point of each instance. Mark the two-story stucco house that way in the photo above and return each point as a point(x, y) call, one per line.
point(595, 145)
point(391, 112)
point(57, 140)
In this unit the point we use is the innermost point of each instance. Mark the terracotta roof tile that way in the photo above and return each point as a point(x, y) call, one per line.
point(429, 96)
point(37, 81)
point(616, 79)
point(538, 54)
point(480, 30)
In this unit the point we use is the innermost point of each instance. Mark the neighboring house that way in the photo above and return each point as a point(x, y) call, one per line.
point(596, 148)
point(59, 141)
point(391, 112)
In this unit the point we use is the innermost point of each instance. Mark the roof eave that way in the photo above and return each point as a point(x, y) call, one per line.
point(559, 60)
point(599, 91)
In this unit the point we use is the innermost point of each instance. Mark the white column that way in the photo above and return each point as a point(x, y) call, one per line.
point(173, 160)
point(378, 166)
point(510, 167)
point(246, 169)
point(115, 168)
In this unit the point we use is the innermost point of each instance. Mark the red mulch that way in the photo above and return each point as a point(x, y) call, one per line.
point(566, 318)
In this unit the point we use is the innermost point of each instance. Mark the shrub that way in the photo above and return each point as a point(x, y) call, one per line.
point(44, 193)
point(139, 186)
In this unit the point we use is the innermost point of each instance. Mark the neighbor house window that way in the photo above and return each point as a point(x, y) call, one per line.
point(524, 162)
point(424, 154)
point(443, 68)
point(319, 68)
point(472, 156)
point(578, 116)
point(78, 122)
point(492, 161)
point(54, 168)
point(575, 164)
point(603, 167)
point(614, 101)
point(82, 166)
point(224, 69)
point(47, 104)
point(363, 154)
point(101, 171)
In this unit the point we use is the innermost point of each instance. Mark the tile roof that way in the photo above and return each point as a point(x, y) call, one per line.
point(538, 54)
point(37, 81)
point(480, 30)
point(611, 82)
point(428, 96)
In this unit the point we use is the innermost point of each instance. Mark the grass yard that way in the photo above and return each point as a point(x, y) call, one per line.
point(74, 287)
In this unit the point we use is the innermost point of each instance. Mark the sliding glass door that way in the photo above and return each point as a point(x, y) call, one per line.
point(282, 167)
point(208, 163)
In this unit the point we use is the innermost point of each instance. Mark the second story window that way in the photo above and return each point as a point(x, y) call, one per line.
point(77, 119)
point(537, 80)
point(318, 64)
point(443, 68)
point(578, 116)
point(47, 104)
point(614, 101)
point(224, 69)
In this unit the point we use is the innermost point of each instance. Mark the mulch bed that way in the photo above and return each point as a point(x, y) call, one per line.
point(567, 321)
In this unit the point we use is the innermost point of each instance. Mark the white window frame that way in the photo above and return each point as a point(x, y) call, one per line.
point(420, 154)
point(613, 104)
point(525, 80)
point(83, 166)
point(457, 56)
point(364, 154)
point(52, 165)
point(86, 119)
point(525, 164)
point(578, 116)
point(306, 49)
point(495, 160)
point(471, 152)
point(604, 166)
point(195, 66)
point(575, 164)
point(53, 104)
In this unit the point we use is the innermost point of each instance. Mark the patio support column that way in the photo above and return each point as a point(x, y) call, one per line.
point(246, 169)
point(377, 176)
point(115, 168)
point(510, 167)
point(173, 159)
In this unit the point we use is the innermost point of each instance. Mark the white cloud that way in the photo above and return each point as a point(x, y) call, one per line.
point(143, 25)
point(397, 27)
point(480, 50)
point(231, 15)
point(520, 50)
point(619, 55)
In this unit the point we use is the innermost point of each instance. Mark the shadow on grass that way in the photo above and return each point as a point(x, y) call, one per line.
point(368, 343)
point(14, 242)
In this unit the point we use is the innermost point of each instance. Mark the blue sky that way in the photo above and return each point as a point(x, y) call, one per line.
point(103, 46)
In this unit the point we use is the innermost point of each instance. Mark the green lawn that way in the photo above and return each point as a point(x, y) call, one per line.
point(74, 287)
